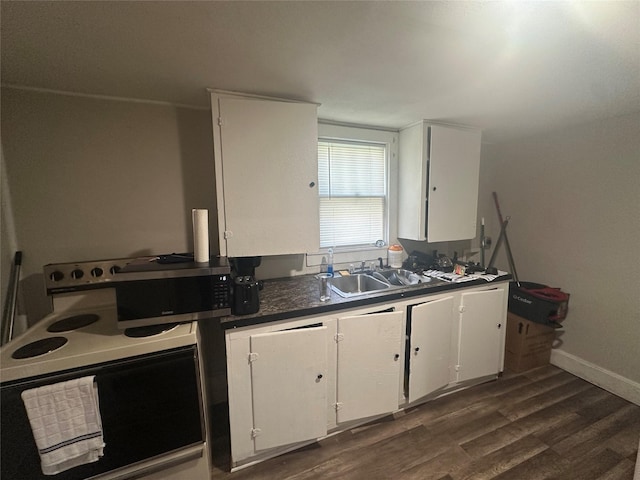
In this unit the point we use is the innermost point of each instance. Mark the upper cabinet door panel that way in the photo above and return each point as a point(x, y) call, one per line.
point(454, 170)
point(266, 161)
point(412, 179)
point(438, 173)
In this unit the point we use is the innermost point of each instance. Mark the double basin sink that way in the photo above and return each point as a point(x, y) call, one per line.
point(372, 282)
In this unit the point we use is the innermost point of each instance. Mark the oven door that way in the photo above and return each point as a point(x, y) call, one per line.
point(151, 406)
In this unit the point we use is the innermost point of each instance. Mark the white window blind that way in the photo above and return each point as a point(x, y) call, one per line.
point(353, 192)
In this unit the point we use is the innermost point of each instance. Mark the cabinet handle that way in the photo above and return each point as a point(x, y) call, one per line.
point(319, 376)
point(312, 184)
point(417, 349)
point(499, 325)
point(396, 356)
point(434, 189)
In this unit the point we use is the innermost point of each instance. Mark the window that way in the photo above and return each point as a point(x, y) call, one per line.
point(353, 190)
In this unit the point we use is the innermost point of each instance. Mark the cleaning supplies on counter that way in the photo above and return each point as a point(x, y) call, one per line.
point(330, 262)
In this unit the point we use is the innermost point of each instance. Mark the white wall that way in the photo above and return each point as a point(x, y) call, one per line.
point(574, 201)
point(96, 179)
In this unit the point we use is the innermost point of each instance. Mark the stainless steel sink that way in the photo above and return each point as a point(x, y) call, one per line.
point(358, 284)
point(400, 277)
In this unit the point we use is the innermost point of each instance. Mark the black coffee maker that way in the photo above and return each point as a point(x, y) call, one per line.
point(246, 299)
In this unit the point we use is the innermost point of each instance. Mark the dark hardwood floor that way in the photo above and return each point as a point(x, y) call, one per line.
point(541, 424)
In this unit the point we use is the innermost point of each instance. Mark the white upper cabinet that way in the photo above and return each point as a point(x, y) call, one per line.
point(439, 170)
point(266, 159)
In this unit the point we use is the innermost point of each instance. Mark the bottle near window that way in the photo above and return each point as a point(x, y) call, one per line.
point(394, 255)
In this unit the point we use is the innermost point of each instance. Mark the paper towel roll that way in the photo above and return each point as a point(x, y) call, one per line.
point(200, 218)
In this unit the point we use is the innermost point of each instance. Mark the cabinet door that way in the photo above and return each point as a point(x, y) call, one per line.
point(412, 178)
point(266, 176)
point(430, 347)
point(482, 321)
point(369, 364)
point(439, 170)
point(289, 392)
point(454, 169)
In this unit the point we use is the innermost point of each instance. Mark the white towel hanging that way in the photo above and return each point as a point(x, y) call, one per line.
point(66, 424)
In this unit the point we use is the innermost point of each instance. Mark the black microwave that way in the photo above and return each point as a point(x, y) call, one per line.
point(157, 294)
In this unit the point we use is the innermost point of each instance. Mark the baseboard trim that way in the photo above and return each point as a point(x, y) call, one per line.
point(610, 381)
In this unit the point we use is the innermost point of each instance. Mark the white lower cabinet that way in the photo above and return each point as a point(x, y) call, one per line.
point(429, 349)
point(281, 385)
point(289, 393)
point(482, 320)
point(296, 380)
point(369, 364)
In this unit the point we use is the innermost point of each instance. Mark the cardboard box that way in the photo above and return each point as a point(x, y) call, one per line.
point(528, 344)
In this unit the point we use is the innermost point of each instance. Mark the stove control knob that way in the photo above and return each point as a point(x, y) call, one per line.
point(115, 269)
point(56, 276)
point(97, 272)
point(77, 274)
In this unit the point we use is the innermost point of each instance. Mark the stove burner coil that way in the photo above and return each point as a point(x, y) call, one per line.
point(73, 323)
point(148, 331)
point(39, 347)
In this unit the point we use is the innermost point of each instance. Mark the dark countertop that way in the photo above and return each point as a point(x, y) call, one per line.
point(298, 296)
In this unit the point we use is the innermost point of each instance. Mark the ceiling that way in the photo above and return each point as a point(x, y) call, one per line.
point(512, 68)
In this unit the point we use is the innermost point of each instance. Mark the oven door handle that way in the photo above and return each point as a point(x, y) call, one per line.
point(148, 467)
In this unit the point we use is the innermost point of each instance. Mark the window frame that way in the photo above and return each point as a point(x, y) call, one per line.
point(352, 195)
point(361, 133)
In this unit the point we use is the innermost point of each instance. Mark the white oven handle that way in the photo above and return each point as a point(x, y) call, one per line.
point(154, 465)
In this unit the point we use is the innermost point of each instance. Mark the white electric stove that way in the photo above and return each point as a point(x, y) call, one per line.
point(85, 335)
point(83, 328)
point(148, 378)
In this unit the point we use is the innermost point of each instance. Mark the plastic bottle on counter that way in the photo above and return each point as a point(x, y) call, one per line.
point(395, 255)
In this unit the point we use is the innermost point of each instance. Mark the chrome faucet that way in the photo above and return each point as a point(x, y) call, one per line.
point(362, 269)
